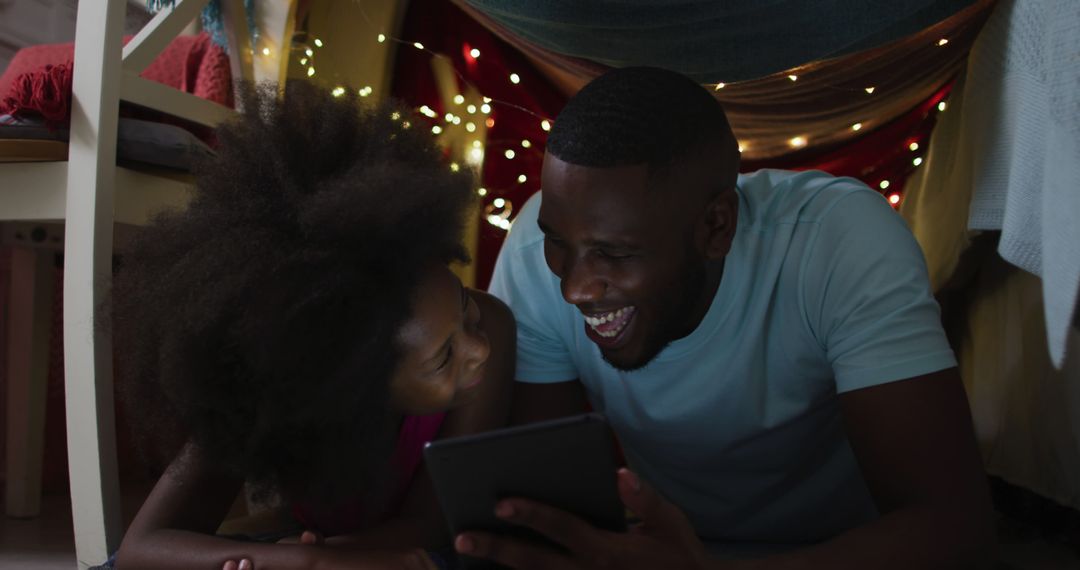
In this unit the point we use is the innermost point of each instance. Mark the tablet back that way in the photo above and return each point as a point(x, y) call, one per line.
point(567, 463)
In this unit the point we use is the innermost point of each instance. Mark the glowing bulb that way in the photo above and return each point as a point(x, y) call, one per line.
point(870, 89)
point(477, 144)
point(482, 191)
point(525, 143)
point(894, 199)
point(941, 106)
point(477, 156)
point(498, 202)
point(470, 126)
point(471, 109)
point(793, 77)
point(310, 71)
point(514, 78)
point(426, 110)
point(318, 42)
point(454, 167)
point(797, 142)
point(395, 116)
point(303, 61)
point(505, 224)
point(266, 51)
point(741, 147)
point(545, 124)
point(485, 108)
point(406, 124)
point(942, 42)
point(522, 178)
point(436, 129)
point(913, 147)
point(459, 99)
point(490, 122)
point(449, 117)
point(917, 161)
point(884, 184)
point(457, 120)
point(382, 38)
point(856, 126)
point(308, 52)
point(487, 99)
point(510, 154)
point(475, 53)
point(720, 86)
point(418, 45)
point(338, 91)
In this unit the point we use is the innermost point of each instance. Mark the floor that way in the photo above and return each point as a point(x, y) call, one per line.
point(45, 543)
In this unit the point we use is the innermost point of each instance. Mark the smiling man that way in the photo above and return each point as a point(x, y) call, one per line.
point(765, 347)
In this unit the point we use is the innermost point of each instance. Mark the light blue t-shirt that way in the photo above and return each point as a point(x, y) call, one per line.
point(825, 291)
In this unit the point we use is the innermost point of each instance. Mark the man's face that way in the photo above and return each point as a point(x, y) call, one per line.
point(626, 256)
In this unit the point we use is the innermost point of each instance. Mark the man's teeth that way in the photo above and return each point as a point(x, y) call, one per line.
point(620, 317)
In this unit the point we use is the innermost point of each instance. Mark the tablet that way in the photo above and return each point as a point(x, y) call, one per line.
point(568, 463)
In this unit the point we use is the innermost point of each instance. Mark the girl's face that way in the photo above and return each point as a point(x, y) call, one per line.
point(443, 345)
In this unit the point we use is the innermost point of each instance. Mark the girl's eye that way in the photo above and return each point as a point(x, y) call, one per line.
point(449, 352)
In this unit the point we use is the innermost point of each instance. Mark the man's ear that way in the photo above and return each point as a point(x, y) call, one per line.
point(716, 227)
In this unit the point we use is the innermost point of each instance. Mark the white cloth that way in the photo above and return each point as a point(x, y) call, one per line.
point(1022, 110)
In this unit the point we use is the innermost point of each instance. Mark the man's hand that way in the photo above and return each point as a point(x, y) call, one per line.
point(664, 539)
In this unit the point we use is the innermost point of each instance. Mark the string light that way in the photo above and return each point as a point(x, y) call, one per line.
point(406, 124)
point(382, 38)
point(338, 91)
point(490, 122)
point(474, 52)
point(913, 146)
point(436, 129)
point(318, 42)
point(797, 142)
point(884, 184)
point(418, 45)
point(487, 99)
point(894, 199)
point(515, 79)
point(522, 178)
point(498, 202)
point(485, 108)
point(308, 52)
point(720, 86)
point(742, 147)
point(266, 51)
point(428, 112)
point(454, 167)
point(449, 117)
point(470, 126)
point(941, 106)
point(303, 61)
point(545, 124)
point(510, 154)
point(310, 71)
point(365, 91)
point(477, 144)
point(856, 126)
point(471, 109)
point(476, 155)
point(457, 120)
point(917, 161)
point(870, 89)
point(942, 42)
point(459, 99)
point(793, 77)
point(481, 191)
point(525, 143)
point(395, 116)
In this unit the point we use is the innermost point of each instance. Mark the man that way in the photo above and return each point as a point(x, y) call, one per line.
point(765, 347)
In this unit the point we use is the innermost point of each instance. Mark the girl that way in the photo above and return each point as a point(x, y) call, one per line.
point(297, 328)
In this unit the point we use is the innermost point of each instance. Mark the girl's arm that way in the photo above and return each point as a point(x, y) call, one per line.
point(175, 528)
point(420, 522)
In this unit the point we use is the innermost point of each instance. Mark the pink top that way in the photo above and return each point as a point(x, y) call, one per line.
point(408, 455)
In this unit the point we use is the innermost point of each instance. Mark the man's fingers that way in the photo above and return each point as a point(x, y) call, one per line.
point(657, 514)
point(560, 526)
point(229, 565)
point(310, 537)
point(509, 552)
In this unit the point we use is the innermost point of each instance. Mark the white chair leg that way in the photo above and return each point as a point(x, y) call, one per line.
point(29, 323)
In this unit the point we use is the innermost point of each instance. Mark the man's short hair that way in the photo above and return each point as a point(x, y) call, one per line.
point(640, 115)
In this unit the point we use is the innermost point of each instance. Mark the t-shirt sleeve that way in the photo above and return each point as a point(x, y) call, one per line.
point(523, 281)
point(867, 296)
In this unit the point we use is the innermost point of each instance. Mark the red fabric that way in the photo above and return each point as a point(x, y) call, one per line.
point(38, 80)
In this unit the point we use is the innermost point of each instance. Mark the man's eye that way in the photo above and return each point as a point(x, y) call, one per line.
point(614, 256)
point(449, 352)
